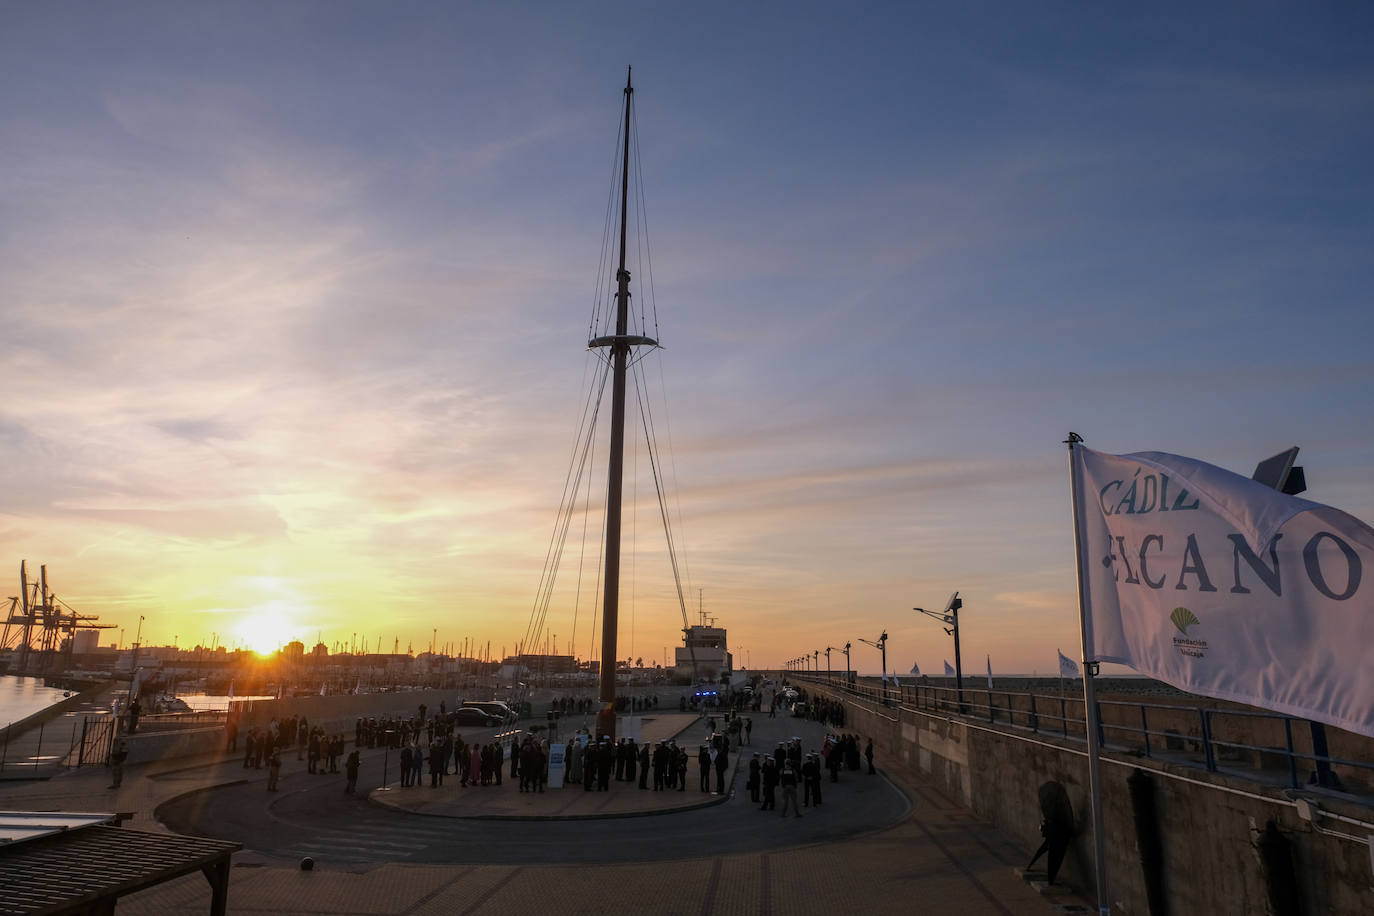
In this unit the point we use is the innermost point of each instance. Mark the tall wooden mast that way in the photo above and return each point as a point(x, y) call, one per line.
point(620, 345)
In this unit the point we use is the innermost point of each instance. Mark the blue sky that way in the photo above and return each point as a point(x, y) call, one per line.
point(295, 295)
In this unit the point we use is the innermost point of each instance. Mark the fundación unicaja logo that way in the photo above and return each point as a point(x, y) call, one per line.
point(1183, 619)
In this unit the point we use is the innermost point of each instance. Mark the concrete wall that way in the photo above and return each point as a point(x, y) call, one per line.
point(1209, 822)
point(145, 747)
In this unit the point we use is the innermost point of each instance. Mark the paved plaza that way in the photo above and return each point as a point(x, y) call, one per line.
point(873, 847)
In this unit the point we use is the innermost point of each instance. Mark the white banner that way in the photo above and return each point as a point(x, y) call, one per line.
point(1224, 587)
point(557, 749)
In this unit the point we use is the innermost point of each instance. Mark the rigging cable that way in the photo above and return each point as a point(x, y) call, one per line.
point(646, 419)
point(567, 505)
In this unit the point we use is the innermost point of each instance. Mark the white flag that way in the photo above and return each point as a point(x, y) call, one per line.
point(989, 672)
point(1224, 587)
point(949, 671)
point(1067, 666)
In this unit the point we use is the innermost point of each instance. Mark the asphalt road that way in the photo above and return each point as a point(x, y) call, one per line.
point(311, 816)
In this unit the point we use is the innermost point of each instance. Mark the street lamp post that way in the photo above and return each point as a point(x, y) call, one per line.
point(881, 645)
point(950, 618)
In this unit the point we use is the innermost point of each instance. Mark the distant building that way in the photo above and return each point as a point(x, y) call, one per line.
point(706, 647)
point(546, 664)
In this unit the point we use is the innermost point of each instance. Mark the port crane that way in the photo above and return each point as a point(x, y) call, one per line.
point(36, 624)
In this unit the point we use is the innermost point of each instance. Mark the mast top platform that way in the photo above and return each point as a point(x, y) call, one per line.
point(628, 340)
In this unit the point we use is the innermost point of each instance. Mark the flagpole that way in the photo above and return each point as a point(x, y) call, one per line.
point(1089, 688)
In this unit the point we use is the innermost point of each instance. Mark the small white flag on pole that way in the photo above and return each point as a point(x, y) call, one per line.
point(949, 670)
point(1067, 666)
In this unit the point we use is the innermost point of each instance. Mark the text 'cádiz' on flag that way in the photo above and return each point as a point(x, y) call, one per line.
point(1221, 586)
point(1067, 666)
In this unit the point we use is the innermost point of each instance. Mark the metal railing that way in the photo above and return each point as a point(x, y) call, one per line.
point(169, 721)
point(80, 745)
point(1250, 743)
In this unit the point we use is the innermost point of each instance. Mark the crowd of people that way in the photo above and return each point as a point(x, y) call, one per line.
point(433, 743)
point(787, 767)
point(262, 744)
point(585, 706)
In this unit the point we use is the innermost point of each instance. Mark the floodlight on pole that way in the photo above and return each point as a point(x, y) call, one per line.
point(950, 618)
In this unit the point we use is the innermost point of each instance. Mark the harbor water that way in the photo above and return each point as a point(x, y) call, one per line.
point(21, 697)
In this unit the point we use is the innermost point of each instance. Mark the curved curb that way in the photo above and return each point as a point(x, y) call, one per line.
point(157, 809)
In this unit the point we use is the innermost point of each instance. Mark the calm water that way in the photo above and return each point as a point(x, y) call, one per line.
point(21, 697)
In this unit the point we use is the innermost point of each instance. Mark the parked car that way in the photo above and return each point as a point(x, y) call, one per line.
point(492, 708)
point(472, 716)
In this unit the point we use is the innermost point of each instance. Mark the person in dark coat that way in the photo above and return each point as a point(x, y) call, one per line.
point(811, 780)
point(770, 785)
point(435, 765)
point(1056, 826)
point(605, 764)
point(351, 771)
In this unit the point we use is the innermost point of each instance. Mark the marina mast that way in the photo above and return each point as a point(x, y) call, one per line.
point(620, 345)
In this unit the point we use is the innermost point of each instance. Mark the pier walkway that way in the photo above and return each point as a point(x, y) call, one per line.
point(873, 847)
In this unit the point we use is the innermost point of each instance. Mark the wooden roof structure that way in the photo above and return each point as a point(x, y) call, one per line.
point(84, 871)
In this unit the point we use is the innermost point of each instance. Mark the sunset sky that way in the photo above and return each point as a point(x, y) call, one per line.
point(294, 301)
